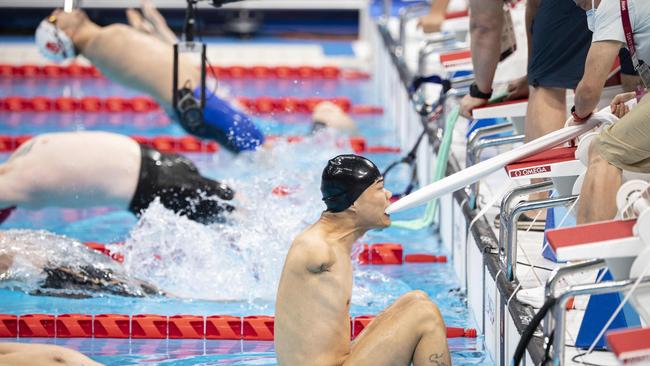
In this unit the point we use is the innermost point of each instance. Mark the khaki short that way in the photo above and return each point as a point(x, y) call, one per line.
point(626, 144)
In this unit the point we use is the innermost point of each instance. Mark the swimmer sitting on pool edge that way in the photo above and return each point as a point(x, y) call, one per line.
point(90, 169)
point(144, 61)
point(316, 285)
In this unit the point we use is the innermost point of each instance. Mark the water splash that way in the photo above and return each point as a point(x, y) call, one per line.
point(243, 258)
point(30, 258)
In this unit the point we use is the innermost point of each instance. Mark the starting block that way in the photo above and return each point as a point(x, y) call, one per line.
point(631, 346)
point(625, 246)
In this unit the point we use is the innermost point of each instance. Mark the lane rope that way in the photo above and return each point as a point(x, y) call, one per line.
point(74, 70)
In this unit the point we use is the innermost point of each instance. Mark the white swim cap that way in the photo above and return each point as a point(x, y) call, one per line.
point(52, 42)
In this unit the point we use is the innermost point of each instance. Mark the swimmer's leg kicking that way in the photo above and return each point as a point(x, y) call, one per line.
point(312, 324)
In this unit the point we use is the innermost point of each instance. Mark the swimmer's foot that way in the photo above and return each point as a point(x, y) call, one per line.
point(149, 20)
point(328, 114)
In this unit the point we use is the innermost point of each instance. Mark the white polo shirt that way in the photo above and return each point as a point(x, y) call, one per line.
point(609, 27)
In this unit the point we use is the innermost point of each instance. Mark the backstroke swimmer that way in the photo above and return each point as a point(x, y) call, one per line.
point(141, 57)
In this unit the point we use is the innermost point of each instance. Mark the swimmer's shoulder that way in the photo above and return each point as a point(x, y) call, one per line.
point(311, 253)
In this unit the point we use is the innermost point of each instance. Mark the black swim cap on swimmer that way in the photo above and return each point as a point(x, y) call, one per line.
point(345, 178)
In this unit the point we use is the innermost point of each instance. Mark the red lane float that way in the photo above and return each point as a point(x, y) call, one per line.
point(151, 326)
point(392, 253)
point(112, 326)
point(260, 105)
point(425, 258)
point(37, 326)
point(257, 328)
point(223, 72)
point(118, 257)
point(8, 326)
point(223, 327)
point(74, 326)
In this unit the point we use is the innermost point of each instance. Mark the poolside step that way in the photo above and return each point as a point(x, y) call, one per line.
point(152, 326)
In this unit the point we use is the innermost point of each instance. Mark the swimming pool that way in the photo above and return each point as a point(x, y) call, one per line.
point(237, 269)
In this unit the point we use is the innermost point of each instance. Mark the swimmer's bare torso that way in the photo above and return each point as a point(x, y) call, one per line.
point(18, 354)
point(312, 324)
point(73, 169)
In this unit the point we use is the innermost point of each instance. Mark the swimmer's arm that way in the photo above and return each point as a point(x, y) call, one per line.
point(599, 62)
point(316, 257)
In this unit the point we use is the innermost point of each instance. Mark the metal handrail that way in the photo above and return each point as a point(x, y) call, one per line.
point(506, 203)
point(405, 14)
point(517, 211)
point(557, 274)
point(430, 47)
point(488, 130)
point(559, 310)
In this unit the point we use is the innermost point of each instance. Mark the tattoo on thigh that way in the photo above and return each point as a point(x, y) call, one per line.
point(437, 359)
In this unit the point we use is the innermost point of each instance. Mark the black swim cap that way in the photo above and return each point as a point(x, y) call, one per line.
point(345, 178)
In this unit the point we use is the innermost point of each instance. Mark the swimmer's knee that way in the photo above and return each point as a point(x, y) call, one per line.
point(415, 297)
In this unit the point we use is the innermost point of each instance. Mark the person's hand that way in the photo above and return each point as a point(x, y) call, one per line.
point(468, 103)
point(68, 22)
point(517, 88)
point(431, 22)
point(618, 107)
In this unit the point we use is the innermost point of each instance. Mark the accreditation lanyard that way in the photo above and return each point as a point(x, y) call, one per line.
point(642, 69)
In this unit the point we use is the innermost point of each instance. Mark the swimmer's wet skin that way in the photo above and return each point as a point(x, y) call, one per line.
point(83, 273)
point(19, 354)
point(316, 285)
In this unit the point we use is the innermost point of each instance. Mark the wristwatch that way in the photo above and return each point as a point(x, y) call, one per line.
point(578, 118)
point(474, 92)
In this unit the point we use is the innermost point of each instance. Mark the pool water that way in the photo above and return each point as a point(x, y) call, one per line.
point(238, 264)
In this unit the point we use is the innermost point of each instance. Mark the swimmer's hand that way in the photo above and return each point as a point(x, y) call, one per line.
point(149, 20)
point(618, 106)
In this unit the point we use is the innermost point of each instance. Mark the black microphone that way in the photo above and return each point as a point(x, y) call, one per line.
point(220, 3)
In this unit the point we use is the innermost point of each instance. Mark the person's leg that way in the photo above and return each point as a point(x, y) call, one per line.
point(598, 194)
point(556, 63)
point(624, 145)
point(546, 113)
point(410, 330)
